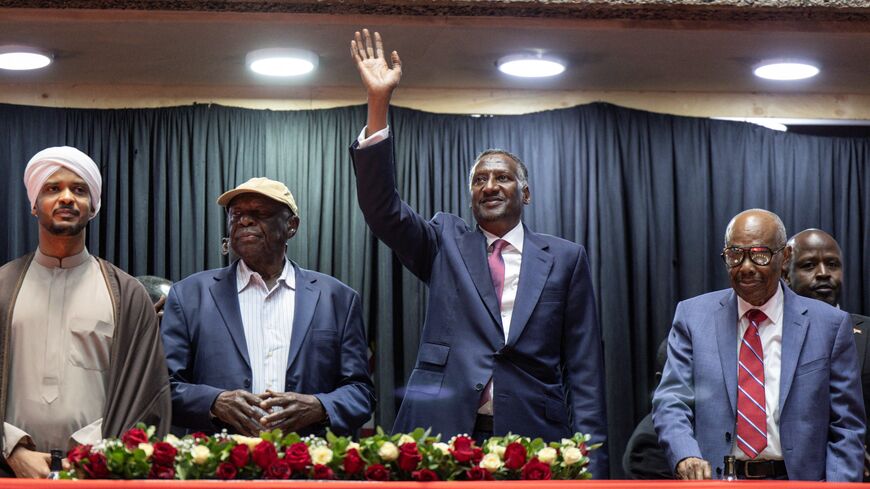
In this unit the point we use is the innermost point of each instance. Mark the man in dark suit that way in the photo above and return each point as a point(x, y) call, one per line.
point(264, 343)
point(760, 373)
point(816, 271)
point(511, 340)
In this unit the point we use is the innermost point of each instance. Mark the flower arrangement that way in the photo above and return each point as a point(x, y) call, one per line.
point(411, 456)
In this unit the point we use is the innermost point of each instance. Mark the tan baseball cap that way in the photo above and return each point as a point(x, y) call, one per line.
point(272, 189)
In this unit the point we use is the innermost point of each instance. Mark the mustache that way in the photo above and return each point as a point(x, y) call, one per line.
point(66, 208)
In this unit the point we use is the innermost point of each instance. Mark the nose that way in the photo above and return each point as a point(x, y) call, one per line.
point(66, 196)
point(822, 271)
point(491, 184)
point(746, 267)
point(245, 220)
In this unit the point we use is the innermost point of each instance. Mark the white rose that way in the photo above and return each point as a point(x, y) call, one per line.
point(568, 443)
point(498, 450)
point(200, 454)
point(251, 442)
point(571, 455)
point(548, 455)
point(445, 448)
point(406, 439)
point(320, 455)
point(147, 448)
point(388, 452)
point(491, 462)
point(353, 444)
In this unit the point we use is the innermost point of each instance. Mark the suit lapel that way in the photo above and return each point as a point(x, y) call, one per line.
point(794, 330)
point(226, 298)
point(472, 248)
point(534, 270)
point(725, 320)
point(307, 296)
point(861, 344)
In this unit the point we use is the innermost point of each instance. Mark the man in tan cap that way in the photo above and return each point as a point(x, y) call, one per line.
point(264, 343)
point(81, 356)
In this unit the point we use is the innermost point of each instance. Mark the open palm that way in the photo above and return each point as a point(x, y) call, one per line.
point(376, 74)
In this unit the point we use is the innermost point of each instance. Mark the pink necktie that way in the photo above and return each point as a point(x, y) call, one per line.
point(751, 406)
point(496, 270)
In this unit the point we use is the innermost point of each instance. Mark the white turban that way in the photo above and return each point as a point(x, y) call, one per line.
point(49, 160)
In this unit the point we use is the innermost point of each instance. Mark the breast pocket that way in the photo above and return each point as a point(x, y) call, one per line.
point(90, 343)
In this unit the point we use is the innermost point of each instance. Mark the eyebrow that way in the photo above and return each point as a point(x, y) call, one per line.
point(55, 182)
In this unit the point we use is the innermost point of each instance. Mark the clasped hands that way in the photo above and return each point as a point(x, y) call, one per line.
point(249, 413)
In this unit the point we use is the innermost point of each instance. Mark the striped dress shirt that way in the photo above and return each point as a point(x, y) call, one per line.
point(267, 318)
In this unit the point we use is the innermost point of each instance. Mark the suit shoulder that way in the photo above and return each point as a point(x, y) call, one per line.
point(450, 222)
point(705, 301)
point(559, 245)
point(199, 279)
point(823, 312)
point(324, 282)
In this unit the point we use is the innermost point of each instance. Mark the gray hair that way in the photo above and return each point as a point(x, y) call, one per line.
point(781, 235)
point(522, 171)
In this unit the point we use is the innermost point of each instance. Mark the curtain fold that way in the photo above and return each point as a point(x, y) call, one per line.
point(649, 196)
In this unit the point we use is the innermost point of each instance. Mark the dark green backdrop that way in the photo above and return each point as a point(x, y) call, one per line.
point(649, 196)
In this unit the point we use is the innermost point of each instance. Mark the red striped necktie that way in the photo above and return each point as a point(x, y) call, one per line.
point(751, 406)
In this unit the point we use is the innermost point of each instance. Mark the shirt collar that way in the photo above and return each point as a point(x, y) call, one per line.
point(514, 237)
point(244, 276)
point(65, 262)
point(772, 308)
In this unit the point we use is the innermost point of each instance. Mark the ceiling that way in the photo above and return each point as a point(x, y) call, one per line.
point(207, 49)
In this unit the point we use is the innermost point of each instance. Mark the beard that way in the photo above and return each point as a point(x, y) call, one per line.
point(66, 229)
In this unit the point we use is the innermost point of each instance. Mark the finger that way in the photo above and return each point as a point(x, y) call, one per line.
point(708, 472)
point(397, 62)
point(160, 302)
point(379, 45)
point(282, 401)
point(361, 52)
point(368, 44)
point(250, 398)
point(65, 464)
point(276, 417)
point(353, 51)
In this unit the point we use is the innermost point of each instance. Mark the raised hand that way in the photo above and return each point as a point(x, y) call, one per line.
point(379, 79)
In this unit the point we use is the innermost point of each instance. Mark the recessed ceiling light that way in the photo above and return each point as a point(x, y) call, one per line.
point(786, 70)
point(530, 65)
point(21, 58)
point(281, 61)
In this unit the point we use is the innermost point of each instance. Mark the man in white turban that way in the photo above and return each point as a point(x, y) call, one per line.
point(80, 352)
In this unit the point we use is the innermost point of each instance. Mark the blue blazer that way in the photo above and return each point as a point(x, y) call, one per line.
point(821, 421)
point(548, 376)
point(207, 354)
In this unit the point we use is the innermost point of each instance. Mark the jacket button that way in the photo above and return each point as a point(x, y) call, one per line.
point(247, 382)
point(478, 387)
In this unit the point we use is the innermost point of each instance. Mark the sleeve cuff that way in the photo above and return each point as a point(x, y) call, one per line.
point(12, 437)
point(365, 142)
point(88, 435)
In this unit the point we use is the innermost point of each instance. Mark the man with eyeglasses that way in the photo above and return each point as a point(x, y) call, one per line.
point(760, 373)
point(816, 271)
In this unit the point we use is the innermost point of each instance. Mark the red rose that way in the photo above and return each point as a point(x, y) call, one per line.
point(96, 466)
point(323, 472)
point(133, 437)
point(265, 454)
point(353, 463)
point(478, 474)
point(199, 436)
point(161, 472)
point(583, 450)
point(79, 453)
point(476, 455)
point(240, 455)
point(409, 457)
point(297, 456)
point(164, 453)
point(461, 450)
point(278, 470)
point(514, 456)
point(377, 472)
point(226, 471)
point(424, 475)
point(536, 470)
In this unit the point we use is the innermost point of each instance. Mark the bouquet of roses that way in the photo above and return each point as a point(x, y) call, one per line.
point(411, 456)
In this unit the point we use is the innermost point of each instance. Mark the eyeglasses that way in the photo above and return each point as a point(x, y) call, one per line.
point(760, 255)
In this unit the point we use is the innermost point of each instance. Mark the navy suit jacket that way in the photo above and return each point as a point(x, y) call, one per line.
point(821, 422)
point(207, 354)
point(548, 376)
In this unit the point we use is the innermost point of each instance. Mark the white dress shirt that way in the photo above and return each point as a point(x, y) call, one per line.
point(267, 319)
point(770, 331)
